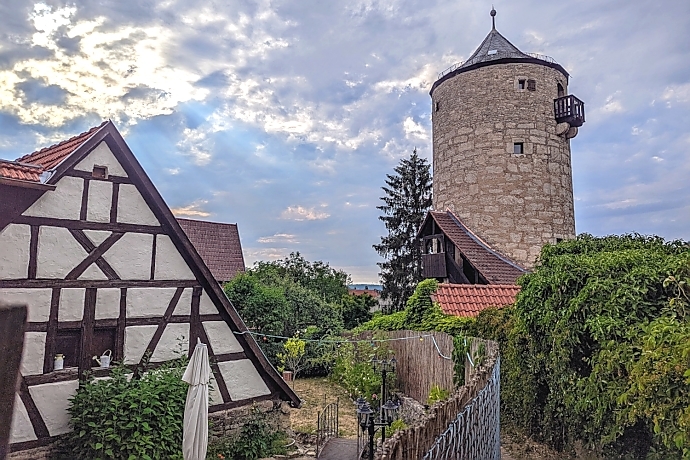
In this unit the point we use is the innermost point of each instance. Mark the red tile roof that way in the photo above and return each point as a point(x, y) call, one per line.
point(495, 267)
point(19, 171)
point(469, 299)
point(49, 157)
point(218, 245)
point(372, 292)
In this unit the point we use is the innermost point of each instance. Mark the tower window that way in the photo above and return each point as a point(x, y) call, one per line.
point(561, 91)
point(438, 106)
point(531, 85)
point(519, 148)
point(521, 84)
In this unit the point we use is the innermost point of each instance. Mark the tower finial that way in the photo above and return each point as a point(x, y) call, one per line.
point(493, 18)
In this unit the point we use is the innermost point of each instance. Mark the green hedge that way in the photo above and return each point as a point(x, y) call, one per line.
point(597, 347)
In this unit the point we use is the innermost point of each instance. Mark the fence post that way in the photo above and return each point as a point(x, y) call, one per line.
point(12, 324)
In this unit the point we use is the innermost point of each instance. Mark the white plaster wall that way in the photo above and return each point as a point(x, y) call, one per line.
point(58, 252)
point(63, 203)
point(101, 156)
point(71, 304)
point(97, 236)
point(132, 208)
point(92, 272)
point(14, 251)
point(206, 305)
point(32, 355)
point(130, 256)
point(221, 337)
point(107, 303)
point(173, 343)
point(99, 202)
point(184, 306)
point(137, 338)
point(242, 379)
point(52, 401)
point(169, 263)
point(148, 302)
point(214, 395)
point(38, 301)
point(21, 428)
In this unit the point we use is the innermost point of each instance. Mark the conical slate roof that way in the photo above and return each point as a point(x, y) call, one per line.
point(495, 46)
point(496, 49)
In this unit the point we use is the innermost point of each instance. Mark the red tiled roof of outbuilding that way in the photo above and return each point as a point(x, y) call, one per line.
point(469, 299)
point(218, 245)
point(49, 157)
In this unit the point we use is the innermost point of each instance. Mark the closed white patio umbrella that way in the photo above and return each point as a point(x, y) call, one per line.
point(195, 429)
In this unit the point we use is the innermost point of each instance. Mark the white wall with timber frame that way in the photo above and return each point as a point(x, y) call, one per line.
point(102, 264)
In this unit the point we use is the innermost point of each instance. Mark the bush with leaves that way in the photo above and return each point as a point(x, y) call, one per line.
point(354, 372)
point(256, 439)
point(127, 418)
point(594, 351)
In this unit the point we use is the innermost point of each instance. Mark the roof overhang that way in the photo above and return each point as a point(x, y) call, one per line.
point(25, 184)
point(514, 60)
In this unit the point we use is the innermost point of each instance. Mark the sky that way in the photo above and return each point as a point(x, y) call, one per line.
point(285, 116)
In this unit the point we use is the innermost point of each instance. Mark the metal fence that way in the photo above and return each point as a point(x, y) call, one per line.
point(475, 433)
point(466, 425)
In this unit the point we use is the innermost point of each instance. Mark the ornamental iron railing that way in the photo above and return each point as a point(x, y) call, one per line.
point(326, 426)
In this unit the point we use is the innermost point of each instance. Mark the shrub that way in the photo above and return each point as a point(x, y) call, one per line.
point(437, 394)
point(129, 418)
point(354, 372)
point(595, 350)
point(256, 439)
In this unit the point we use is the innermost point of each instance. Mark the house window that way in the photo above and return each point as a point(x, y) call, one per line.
point(519, 148)
point(100, 172)
point(531, 85)
point(103, 339)
point(521, 84)
point(68, 344)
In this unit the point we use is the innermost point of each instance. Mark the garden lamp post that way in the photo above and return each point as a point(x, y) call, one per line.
point(387, 412)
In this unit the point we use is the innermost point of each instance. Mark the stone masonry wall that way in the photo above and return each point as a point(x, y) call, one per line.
point(228, 423)
point(516, 203)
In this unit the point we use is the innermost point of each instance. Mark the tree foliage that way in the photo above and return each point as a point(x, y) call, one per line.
point(596, 350)
point(406, 201)
point(357, 309)
point(287, 297)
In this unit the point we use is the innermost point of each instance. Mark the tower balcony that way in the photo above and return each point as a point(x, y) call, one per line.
point(569, 109)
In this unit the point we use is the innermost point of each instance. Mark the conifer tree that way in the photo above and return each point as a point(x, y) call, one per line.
point(406, 202)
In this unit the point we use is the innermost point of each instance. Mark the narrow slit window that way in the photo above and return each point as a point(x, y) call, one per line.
point(518, 148)
point(521, 84)
point(531, 85)
point(438, 106)
point(100, 172)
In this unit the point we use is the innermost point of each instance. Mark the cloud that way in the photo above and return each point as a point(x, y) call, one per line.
point(191, 210)
point(299, 213)
point(278, 238)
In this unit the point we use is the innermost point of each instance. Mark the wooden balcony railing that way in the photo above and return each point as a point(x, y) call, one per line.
point(569, 109)
point(434, 265)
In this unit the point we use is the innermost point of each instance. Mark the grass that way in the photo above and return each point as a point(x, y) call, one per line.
point(316, 393)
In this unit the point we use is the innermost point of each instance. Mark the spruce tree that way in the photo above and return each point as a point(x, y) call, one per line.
point(406, 202)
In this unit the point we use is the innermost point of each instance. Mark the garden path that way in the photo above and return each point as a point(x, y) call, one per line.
point(339, 449)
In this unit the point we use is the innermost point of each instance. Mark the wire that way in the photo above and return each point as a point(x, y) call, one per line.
point(339, 341)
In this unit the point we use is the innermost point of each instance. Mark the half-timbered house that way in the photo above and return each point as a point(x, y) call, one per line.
point(89, 244)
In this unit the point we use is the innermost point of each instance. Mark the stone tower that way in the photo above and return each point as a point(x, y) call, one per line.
point(502, 124)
